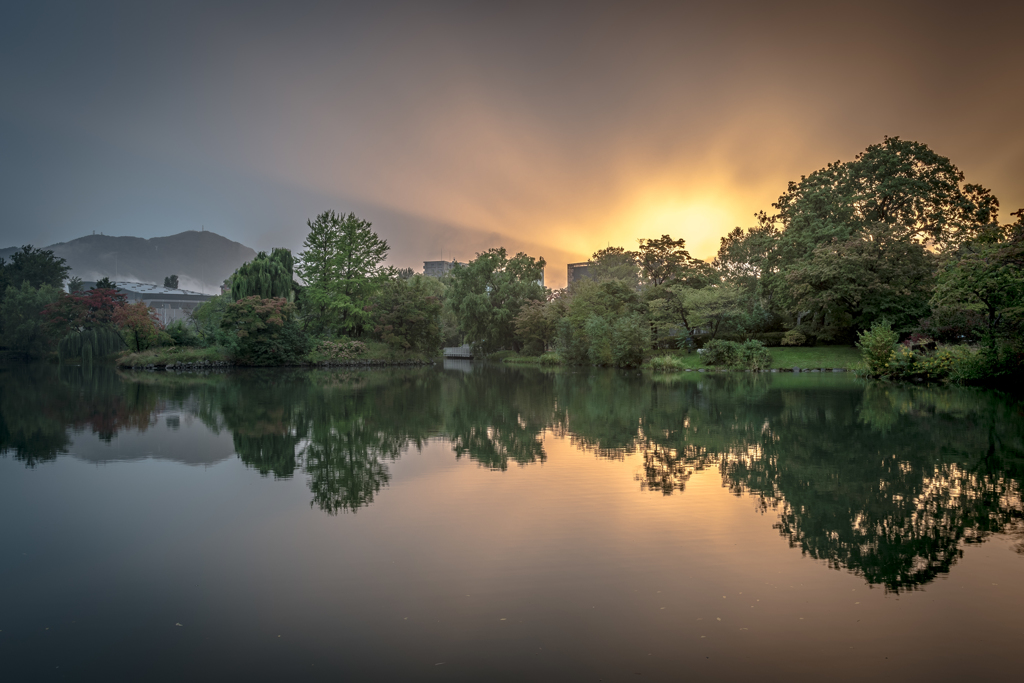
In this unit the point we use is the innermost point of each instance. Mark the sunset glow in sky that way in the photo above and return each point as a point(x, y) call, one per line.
point(554, 128)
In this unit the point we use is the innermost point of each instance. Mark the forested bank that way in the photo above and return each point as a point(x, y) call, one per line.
point(893, 251)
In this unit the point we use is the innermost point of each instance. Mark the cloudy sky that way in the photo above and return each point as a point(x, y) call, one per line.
point(553, 128)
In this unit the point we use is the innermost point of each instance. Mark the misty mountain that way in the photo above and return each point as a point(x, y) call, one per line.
point(201, 260)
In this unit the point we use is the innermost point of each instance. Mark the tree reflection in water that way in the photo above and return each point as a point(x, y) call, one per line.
point(886, 481)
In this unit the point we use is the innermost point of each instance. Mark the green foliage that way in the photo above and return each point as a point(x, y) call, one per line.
point(749, 355)
point(182, 334)
point(535, 326)
point(719, 352)
point(794, 338)
point(90, 344)
point(662, 259)
point(104, 283)
point(264, 332)
point(584, 334)
point(877, 346)
point(75, 284)
point(614, 263)
point(599, 337)
point(340, 350)
point(754, 355)
point(406, 313)
point(852, 246)
point(983, 281)
point(711, 309)
point(342, 264)
point(266, 277)
point(38, 267)
point(631, 340)
point(487, 294)
point(171, 282)
point(21, 321)
point(666, 363)
point(205, 319)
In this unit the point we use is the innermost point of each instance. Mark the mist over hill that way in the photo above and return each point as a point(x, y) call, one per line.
point(201, 260)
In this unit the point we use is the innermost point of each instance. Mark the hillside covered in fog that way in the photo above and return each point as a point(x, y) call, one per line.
point(201, 260)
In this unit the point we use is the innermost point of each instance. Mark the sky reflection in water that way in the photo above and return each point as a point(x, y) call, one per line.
point(614, 524)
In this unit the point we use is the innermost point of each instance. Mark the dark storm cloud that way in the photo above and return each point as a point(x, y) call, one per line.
point(554, 128)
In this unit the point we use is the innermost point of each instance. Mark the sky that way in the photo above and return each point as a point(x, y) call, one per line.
point(551, 128)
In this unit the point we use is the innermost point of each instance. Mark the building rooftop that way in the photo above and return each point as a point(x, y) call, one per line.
point(148, 288)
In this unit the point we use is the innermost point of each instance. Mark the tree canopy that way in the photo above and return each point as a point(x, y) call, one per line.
point(488, 294)
point(342, 264)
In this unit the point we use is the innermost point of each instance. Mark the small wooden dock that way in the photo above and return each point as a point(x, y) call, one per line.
point(464, 351)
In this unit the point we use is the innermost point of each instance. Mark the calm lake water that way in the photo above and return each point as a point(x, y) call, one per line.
point(487, 523)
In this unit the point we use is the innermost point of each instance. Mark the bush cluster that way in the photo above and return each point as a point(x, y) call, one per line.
point(750, 355)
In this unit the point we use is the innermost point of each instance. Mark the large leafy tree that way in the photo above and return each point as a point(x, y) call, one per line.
point(407, 313)
point(138, 325)
point(870, 221)
point(342, 264)
point(83, 323)
point(21, 321)
point(488, 294)
point(264, 331)
point(266, 277)
point(850, 283)
point(36, 266)
point(615, 263)
point(662, 259)
point(986, 277)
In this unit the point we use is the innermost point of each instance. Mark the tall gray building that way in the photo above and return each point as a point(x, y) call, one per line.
point(439, 268)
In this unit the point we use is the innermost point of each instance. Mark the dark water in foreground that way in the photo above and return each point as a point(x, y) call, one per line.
point(482, 523)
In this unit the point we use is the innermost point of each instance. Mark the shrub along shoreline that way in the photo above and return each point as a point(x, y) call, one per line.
point(325, 354)
point(774, 359)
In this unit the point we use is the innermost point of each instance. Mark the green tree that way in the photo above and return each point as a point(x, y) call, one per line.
point(171, 282)
point(206, 319)
point(710, 309)
point(488, 293)
point(585, 333)
point(264, 331)
point(104, 283)
point(856, 222)
point(342, 264)
point(536, 325)
point(75, 284)
point(266, 277)
point(38, 267)
point(986, 277)
point(21, 320)
point(406, 313)
point(614, 263)
point(848, 284)
point(663, 259)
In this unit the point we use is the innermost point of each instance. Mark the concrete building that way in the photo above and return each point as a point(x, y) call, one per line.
point(577, 271)
point(169, 304)
point(439, 268)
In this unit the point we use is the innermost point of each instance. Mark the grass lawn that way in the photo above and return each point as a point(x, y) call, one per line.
point(847, 357)
point(783, 357)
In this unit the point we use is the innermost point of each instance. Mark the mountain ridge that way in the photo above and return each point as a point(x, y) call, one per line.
point(201, 259)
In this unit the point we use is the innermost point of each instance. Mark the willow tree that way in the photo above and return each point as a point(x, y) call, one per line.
point(268, 277)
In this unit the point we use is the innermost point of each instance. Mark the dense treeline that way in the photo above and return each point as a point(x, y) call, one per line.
point(893, 250)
